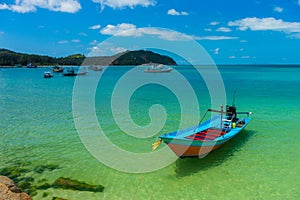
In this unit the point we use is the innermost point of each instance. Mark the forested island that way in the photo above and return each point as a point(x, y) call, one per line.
point(11, 58)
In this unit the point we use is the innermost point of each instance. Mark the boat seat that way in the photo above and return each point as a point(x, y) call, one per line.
point(208, 134)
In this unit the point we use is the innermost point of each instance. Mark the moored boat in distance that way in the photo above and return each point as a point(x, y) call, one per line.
point(57, 68)
point(48, 75)
point(18, 66)
point(71, 72)
point(95, 68)
point(30, 65)
point(157, 68)
point(207, 136)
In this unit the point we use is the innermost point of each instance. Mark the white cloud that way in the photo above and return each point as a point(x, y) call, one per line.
point(105, 49)
point(184, 13)
point(243, 41)
point(63, 42)
point(83, 34)
point(224, 29)
point(174, 12)
point(130, 30)
point(217, 38)
point(75, 40)
point(123, 29)
point(25, 6)
point(232, 57)
point(216, 51)
point(94, 42)
point(278, 9)
point(120, 4)
point(98, 26)
point(208, 29)
point(299, 2)
point(245, 57)
point(264, 24)
point(214, 23)
point(4, 6)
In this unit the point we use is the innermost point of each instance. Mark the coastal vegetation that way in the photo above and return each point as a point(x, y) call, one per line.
point(142, 57)
point(11, 58)
point(22, 174)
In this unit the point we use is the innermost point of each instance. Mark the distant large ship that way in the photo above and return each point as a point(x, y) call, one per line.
point(157, 68)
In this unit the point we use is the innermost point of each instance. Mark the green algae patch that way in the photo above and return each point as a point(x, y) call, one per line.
point(67, 183)
point(43, 168)
point(19, 174)
point(58, 198)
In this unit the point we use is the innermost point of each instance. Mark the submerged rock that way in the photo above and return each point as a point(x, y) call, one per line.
point(18, 173)
point(43, 168)
point(10, 191)
point(26, 184)
point(10, 184)
point(67, 183)
point(45, 194)
point(45, 186)
point(13, 172)
point(58, 198)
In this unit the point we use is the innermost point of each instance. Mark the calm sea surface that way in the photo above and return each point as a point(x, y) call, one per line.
point(37, 129)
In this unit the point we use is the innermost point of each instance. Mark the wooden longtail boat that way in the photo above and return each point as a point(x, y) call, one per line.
point(207, 136)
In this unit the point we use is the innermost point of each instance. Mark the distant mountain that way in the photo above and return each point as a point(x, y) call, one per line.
point(11, 58)
point(142, 57)
point(130, 58)
point(101, 60)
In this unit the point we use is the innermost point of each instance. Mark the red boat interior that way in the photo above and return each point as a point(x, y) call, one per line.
point(207, 134)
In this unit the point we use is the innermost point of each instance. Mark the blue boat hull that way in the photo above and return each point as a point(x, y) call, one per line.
point(202, 139)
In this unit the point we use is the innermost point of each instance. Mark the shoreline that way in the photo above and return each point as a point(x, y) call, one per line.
point(220, 65)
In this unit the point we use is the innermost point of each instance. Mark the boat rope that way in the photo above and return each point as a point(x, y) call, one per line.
point(201, 120)
point(138, 187)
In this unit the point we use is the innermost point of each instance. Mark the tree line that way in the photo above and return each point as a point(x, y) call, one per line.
point(11, 58)
point(139, 57)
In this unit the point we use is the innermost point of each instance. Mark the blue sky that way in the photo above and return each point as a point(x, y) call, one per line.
point(231, 31)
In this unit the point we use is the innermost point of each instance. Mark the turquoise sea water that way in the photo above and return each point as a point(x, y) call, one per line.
point(37, 129)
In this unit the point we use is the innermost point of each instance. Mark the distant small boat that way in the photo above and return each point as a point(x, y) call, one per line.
point(30, 65)
point(207, 136)
point(48, 75)
point(71, 72)
point(157, 68)
point(18, 65)
point(96, 68)
point(57, 68)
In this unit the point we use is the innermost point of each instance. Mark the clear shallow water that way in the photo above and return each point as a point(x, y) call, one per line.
point(37, 128)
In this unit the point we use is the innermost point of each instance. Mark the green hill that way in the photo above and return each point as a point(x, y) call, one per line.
point(142, 57)
point(11, 58)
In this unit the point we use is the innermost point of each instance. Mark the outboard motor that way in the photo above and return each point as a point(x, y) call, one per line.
point(231, 113)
